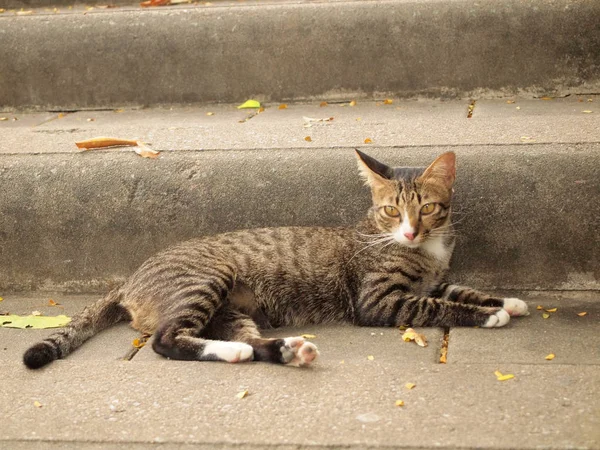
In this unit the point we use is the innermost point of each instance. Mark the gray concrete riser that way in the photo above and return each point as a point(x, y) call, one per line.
point(298, 51)
point(82, 221)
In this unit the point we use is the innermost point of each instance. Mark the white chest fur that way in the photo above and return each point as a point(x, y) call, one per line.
point(437, 248)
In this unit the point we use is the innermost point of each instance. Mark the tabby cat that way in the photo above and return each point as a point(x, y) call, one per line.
point(205, 299)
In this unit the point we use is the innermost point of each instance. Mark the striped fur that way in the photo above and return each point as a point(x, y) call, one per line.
point(207, 299)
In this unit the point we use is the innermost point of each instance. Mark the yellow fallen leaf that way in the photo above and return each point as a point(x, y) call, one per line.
point(505, 377)
point(210, 113)
point(24, 13)
point(308, 139)
point(421, 340)
point(103, 142)
point(545, 315)
point(370, 357)
point(444, 356)
point(3, 119)
point(309, 336)
point(587, 111)
point(145, 152)
point(388, 101)
point(118, 110)
point(242, 394)
point(399, 403)
point(261, 109)
point(510, 101)
point(581, 314)
point(552, 310)
point(368, 141)
point(139, 342)
point(37, 404)
point(412, 335)
point(538, 307)
point(323, 104)
point(282, 106)
point(409, 385)
point(550, 357)
point(1, 299)
point(52, 303)
point(546, 98)
point(2, 10)
point(249, 104)
point(31, 321)
point(501, 377)
point(352, 103)
point(518, 107)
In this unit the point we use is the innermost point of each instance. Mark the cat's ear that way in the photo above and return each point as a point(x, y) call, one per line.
point(442, 169)
point(372, 171)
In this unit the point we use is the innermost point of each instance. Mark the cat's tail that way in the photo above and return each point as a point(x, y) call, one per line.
point(93, 319)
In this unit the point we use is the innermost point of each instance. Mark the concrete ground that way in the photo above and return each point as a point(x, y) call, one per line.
point(96, 399)
point(528, 175)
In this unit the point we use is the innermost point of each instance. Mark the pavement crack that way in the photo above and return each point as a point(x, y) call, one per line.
point(445, 343)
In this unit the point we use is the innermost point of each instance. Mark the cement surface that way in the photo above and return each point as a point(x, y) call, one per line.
point(404, 123)
point(106, 403)
point(105, 58)
point(82, 221)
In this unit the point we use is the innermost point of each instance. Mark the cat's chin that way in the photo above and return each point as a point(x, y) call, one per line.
point(409, 244)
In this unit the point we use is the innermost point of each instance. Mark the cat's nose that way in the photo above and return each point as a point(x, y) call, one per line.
point(410, 236)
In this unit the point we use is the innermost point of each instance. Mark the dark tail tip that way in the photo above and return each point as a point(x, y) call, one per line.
point(39, 355)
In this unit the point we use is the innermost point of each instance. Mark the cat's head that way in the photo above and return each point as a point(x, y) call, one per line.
point(412, 204)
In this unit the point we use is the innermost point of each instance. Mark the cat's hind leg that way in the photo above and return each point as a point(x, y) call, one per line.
point(232, 325)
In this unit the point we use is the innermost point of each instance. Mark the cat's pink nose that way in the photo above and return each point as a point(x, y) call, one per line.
point(409, 236)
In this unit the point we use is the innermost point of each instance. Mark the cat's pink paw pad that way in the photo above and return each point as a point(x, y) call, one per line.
point(515, 307)
point(497, 319)
point(297, 352)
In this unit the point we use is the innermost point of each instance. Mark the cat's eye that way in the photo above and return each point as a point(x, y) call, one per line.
point(391, 211)
point(427, 208)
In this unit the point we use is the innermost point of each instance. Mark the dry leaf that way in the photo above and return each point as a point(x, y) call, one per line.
point(352, 103)
point(539, 307)
point(546, 98)
point(501, 377)
point(103, 142)
point(119, 110)
point(412, 335)
point(249, 104)
point(36, 313)
point(399, 403)
point(37, 404)
point(14, 321)
point(282, 106)
point(581, 314)
point(409, 385)
point(308, 139)
point(154, 3)
point(3, 119)
point(139, 342)
point(91, 120)
point(545, 315)
point(370, 357)
point(510, 102)
point(3, 299)
point(242, 394)
point(146, 152)
point(550, 357)
point(52, 303)
point(261, 109)
point(518, 107)
point(552, 310)
point(388, 101)
point(323, 104)
point(2, 10)
point(587, 111)
point(24, 13)
point(309, 336)
point(527, 138)
point(444, 357)
point(368, 141)
point(210, 113)
point(310, 121)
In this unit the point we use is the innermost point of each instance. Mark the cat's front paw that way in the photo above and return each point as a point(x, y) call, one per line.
point(497, 319)
point(296, 352)
point(515, 307)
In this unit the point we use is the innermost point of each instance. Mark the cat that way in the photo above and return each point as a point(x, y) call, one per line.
point(207, 298)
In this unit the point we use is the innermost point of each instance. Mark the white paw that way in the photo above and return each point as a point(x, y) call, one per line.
point(515, 307)
point(297, 352)
point(497, 319)
point(228, 351)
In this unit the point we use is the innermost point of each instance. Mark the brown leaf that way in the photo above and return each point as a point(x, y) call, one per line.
point(282, 106)
point(308, 139)
point(581, 314)
point(146, 152)
point(103, 142)
point(399, 403)
point(412, 335)
point(148, 3)
point(368, 141)
point(323, 104)
point(550, 357)
point(552, 310)
point(352, 103)
point(52, 303)
point(388, 101)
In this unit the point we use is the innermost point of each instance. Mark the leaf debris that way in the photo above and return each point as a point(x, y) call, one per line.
point(399, 403)
point(411, 335)
point(352, 103)
point(409, 385)
point(388, 101)
point(53, 303)
point(552, 310)
point(31, 321)
point(282, 106)
point(242, 394)
point(370, 357)
point(550, 357)
point(37, 404)
point(368, 141)
point(323, 104)
point(545, 315)
point(539, 307)
point(309, 336)
point(249, 104)
point(501, 377)
point(103, 142)
point(581, 314)
point(308, 139)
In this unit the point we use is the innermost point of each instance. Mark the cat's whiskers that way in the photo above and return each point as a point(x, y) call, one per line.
point(388, 237)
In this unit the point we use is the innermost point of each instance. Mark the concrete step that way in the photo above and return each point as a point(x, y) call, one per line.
point(104, 58)
point(93, 400)
point(528, 173)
